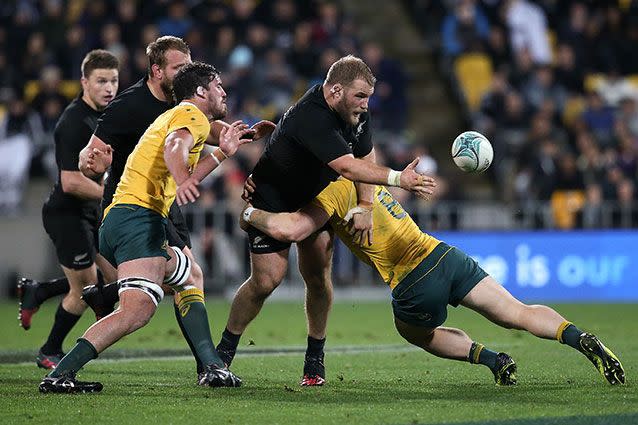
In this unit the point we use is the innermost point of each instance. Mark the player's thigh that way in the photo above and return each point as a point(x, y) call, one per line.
point(73, 235)
point(78, 279)
point(196, 277)
point(315, 255)
point(492, 300)
point(268, 269)
point(417, 335)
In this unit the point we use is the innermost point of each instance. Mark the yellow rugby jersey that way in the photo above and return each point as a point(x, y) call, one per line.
point(146, 180)
point(398, 243)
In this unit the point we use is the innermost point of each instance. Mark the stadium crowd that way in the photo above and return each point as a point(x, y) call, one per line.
point(559, 102)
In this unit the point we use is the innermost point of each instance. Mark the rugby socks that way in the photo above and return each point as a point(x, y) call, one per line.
point(178, 317)
point(194, 319)
point(82, 353)
point(481, 355)
point(51, 288)
point(569, 334)
point(227, 347)
point(62, 325)
point(315, 347)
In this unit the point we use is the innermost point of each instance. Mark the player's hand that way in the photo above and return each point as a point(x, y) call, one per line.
point(263, 129)
point(98, 160)
point(359, 220)
point(249, 189)
point(187, 191)
point(419, 184)
point(233, 136)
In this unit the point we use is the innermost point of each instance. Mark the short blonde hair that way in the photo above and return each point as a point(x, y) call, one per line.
point(347, 69)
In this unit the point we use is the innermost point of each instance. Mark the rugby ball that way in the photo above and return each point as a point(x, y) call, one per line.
point(472, 152)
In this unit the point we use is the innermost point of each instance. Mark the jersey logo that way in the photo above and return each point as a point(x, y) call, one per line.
point(80, 257)
point(393, 207)
point(359, 131)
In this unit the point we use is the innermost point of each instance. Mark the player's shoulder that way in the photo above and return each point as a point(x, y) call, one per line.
point(75, 113)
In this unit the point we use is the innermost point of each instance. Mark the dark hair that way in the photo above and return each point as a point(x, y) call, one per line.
point(156, 51)
point(98, 59)
point(191, 76)
point(347, 69)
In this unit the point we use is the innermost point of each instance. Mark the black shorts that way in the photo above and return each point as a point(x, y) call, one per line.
point(176, 229)
point(261, 243)
point(74, 234)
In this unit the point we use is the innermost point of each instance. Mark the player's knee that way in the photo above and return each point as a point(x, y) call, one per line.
point(196, 277)
point(264, 284)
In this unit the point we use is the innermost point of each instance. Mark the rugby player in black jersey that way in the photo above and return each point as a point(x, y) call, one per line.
point(71, 214)
point(118, 131)
point(317, 139)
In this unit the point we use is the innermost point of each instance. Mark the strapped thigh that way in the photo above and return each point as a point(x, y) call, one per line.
point(182, 269)
point(147, 286)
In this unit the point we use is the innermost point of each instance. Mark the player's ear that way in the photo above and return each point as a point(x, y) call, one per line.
point(200, 91)
point(155, 70)
point(336, 90)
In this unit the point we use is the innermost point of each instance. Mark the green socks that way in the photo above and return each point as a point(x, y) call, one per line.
point(81, 354)
point(194, 321)
point(569, 334)
point(481, 355)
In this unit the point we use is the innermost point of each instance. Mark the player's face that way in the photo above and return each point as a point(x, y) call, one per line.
point(354, 101)
point(216, 98)
point(100, 87)
point(174, 61)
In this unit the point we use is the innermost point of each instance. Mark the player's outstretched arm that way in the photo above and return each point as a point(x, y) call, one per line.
point(361, 226)
point(362, 171)
point(95, 158)
point(287, 227)
point(77, 184)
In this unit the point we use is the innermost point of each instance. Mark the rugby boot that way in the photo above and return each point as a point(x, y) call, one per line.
point(48, 361)
point(29, 304)
point(314, 372)
point(215, 376)
point(99, 298)
point(605, 361)
point(505, 370)
point(68, 384)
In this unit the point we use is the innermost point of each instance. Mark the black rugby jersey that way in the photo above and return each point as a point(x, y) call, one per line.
point(293, 168)
point(71, 133)
point(122, 124)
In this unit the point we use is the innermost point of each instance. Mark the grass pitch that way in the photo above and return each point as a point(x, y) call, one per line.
point(373, 376)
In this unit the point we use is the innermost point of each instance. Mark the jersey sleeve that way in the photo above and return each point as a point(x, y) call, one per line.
point(321, 137)
point(70, 139)
point(364, 144)
point(191, 119)
point(335, 198)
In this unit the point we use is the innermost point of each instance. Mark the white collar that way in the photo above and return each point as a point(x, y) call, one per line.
point(183, 102)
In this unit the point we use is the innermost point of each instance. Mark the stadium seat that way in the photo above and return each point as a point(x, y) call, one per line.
point(473, 72)
point(572, 110)
point(592, 81)
point(69, 89)
point(565, 204)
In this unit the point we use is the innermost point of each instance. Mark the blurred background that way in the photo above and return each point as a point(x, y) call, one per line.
point(553, 84)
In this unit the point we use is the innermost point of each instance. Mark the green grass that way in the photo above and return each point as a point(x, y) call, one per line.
point(374, 378)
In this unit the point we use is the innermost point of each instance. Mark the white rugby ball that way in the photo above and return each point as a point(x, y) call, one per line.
point(472, 152)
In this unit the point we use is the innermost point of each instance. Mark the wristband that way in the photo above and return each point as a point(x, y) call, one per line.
point(247, 213)
point(394, 178)
point(215, 158)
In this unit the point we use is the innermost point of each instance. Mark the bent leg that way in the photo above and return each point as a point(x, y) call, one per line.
point(315, 265)
point(493, 301)
point(448, 343)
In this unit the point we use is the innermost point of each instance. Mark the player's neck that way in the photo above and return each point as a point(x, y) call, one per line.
point(156, 89)
point(87, 99)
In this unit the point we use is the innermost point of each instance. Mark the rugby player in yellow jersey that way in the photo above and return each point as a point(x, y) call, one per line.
point(425, 275)
point(133, 232)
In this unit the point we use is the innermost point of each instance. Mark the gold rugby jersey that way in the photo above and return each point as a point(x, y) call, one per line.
point(146, 180)
point(398, 243)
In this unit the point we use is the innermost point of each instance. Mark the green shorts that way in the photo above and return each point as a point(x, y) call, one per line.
point(443, 277)
point(129, 232)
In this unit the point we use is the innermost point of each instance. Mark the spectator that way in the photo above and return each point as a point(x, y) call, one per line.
point(177, 22)
point(542, 86)
point(599, 118)
point(568, 74)
point(464, 29)
point(528, 30)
